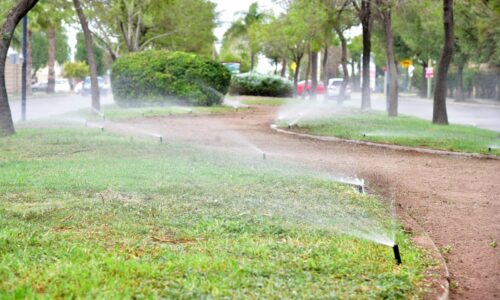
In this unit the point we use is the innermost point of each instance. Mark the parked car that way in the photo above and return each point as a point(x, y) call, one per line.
point(301, 87)
point(39, 87)
point(103, 86)
point(334, 86)
point(62, 86)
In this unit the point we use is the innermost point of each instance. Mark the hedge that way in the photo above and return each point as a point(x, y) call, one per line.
point(254, 84)
point(160, 77)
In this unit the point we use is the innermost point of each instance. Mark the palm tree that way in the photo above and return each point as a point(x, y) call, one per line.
point(240, 29)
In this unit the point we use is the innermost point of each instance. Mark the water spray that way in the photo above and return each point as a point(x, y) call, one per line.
point(397, 255)
point(99, 113)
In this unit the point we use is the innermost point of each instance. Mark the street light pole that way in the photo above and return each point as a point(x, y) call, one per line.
point(24, 68)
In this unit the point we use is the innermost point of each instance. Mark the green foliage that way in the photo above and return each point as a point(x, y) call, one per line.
point(81, 54)
point(161, 77)
point(254, 84)
point(76, 70)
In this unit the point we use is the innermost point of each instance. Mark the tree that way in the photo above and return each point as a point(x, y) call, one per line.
point(75, 71)
point(440, 116)
point(364, 10)
point(96, 102)
point(15, 13)
point(385, 8)
point(242, 29)
point(81, 53)
point(417, 25)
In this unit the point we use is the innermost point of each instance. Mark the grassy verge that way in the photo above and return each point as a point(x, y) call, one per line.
point(93, 215)
point(268, 101)
point(406, 131)
point(114, 112)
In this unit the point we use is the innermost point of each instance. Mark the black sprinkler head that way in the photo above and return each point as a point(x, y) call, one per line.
point(364, 134)
point(397, 256)
point(161, 139)
point(489, 149)
point(264, 156)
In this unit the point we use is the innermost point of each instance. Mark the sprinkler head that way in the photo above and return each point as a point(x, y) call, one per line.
point(161, 139)
point(263, 155)
point(290, 126)
point(397, 256)
point(364, 134)
point(489, 149)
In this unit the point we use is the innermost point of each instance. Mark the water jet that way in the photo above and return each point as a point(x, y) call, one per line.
point(397, 255)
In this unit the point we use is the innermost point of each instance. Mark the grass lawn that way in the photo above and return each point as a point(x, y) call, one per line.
point(404, 130)
point(269, 101)
point(114, 112)
point(85, 214)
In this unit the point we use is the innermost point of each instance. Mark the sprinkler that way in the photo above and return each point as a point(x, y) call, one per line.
point(290, 126)
point(364, 134)
point(263, 155)
point(397, 256)
point(161, 139)
point(489, 149)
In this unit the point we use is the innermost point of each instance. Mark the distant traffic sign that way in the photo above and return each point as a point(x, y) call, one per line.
point(406, 63)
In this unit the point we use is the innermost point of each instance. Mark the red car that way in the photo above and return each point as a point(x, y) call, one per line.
point(320, 89)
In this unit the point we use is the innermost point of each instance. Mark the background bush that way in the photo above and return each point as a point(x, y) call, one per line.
point(255, 84)
point(160, 77)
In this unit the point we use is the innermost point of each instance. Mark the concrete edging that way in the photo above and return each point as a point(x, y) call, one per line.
point(386, 146)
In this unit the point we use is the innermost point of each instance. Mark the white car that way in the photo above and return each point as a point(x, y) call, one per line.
point(62, 86)
point(334, 86)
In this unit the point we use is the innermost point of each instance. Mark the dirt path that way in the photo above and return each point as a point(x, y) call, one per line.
point(456, 200)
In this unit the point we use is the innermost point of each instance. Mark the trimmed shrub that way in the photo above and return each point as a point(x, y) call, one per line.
point(161, 77)
point(254, 84)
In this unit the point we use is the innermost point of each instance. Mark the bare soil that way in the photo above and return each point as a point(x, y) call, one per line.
point(456, 200)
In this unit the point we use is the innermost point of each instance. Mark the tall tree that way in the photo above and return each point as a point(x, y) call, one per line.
point(96, 101)
point(440, 115)
point(385, 8)
point(15, 13)
point(365, 16)
point(241, 29)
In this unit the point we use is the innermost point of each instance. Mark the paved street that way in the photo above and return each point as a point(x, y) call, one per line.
point(481, 115)
point(44, 107)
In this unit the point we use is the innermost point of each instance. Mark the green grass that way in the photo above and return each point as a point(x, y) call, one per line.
point(268, 101)
point(406, 131)
point(85, 214)
point(114, 112)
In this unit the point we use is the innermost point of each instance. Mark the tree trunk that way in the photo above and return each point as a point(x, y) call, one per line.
point(423, 83)
point(308, 71)
point(283, 68)
point(365, 16)
point(314, 75)
point(296, 75)
point(96, 101)
point(392, 95)
point(29, 61)
point(252, 61)
point(325, 70)
point(51, 60)
point(440, 116)
point(343, 43)
point(6, 32)
point(459, 93)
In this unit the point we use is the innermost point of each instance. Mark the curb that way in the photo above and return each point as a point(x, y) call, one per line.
point(437, 277)
point(386, 146)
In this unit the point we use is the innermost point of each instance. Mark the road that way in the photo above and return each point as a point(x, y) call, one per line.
point(43, 107)
point(481, 115)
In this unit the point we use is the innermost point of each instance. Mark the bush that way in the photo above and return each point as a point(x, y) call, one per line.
point(160, 77)
point(254, 84)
